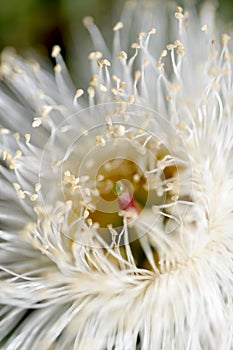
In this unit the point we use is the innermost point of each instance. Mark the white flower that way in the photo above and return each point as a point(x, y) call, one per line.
point(146, 267)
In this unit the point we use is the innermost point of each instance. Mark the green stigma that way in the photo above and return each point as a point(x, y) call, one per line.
point(118, 188)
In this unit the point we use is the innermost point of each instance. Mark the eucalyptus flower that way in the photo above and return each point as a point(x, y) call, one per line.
point(116, 198)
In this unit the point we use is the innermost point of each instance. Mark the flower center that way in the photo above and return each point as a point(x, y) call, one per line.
point(149, 175)
point(115, 176)
point(122, 183)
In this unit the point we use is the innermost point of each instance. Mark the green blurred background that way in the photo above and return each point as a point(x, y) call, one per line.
point(45, 22)
point(40, 24)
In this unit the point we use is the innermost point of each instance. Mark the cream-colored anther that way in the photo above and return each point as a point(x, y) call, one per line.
point(18, 154)
point(131, 99)
point(115, 78)
point(171, 47)
point(122, 55)
point(121, 130)
point(103, 88)
point(95, 55)
point(91, 91)
point(118, 26)
point(27, 138)
point(16, 186)
point(79, 93)
point(137, 75)
point(141, 35)
point(179, 15)
point(152, 31)
point(100, 140)
point(204, 28)
point(45, 110)
point(4, 131)
point(37, 187)
point(55, 51)
point(21, 194)
point(4, 154)
point(16, 136)
point(106, 62)
point(225, 39)
point(36, 122)
point(34, 197)
point(94, 80)
point(135, 46)
point(88, 21)
point(122, 85)
point(57, 68)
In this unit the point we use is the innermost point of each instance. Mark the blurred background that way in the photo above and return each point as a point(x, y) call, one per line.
point(40, 24)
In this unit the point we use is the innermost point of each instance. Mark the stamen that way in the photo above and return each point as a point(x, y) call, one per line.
point(27, 138)
point(118, 26)
point(36, 122)
point(4, 131)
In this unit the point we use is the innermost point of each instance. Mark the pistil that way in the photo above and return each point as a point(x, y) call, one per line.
point(125, 199)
